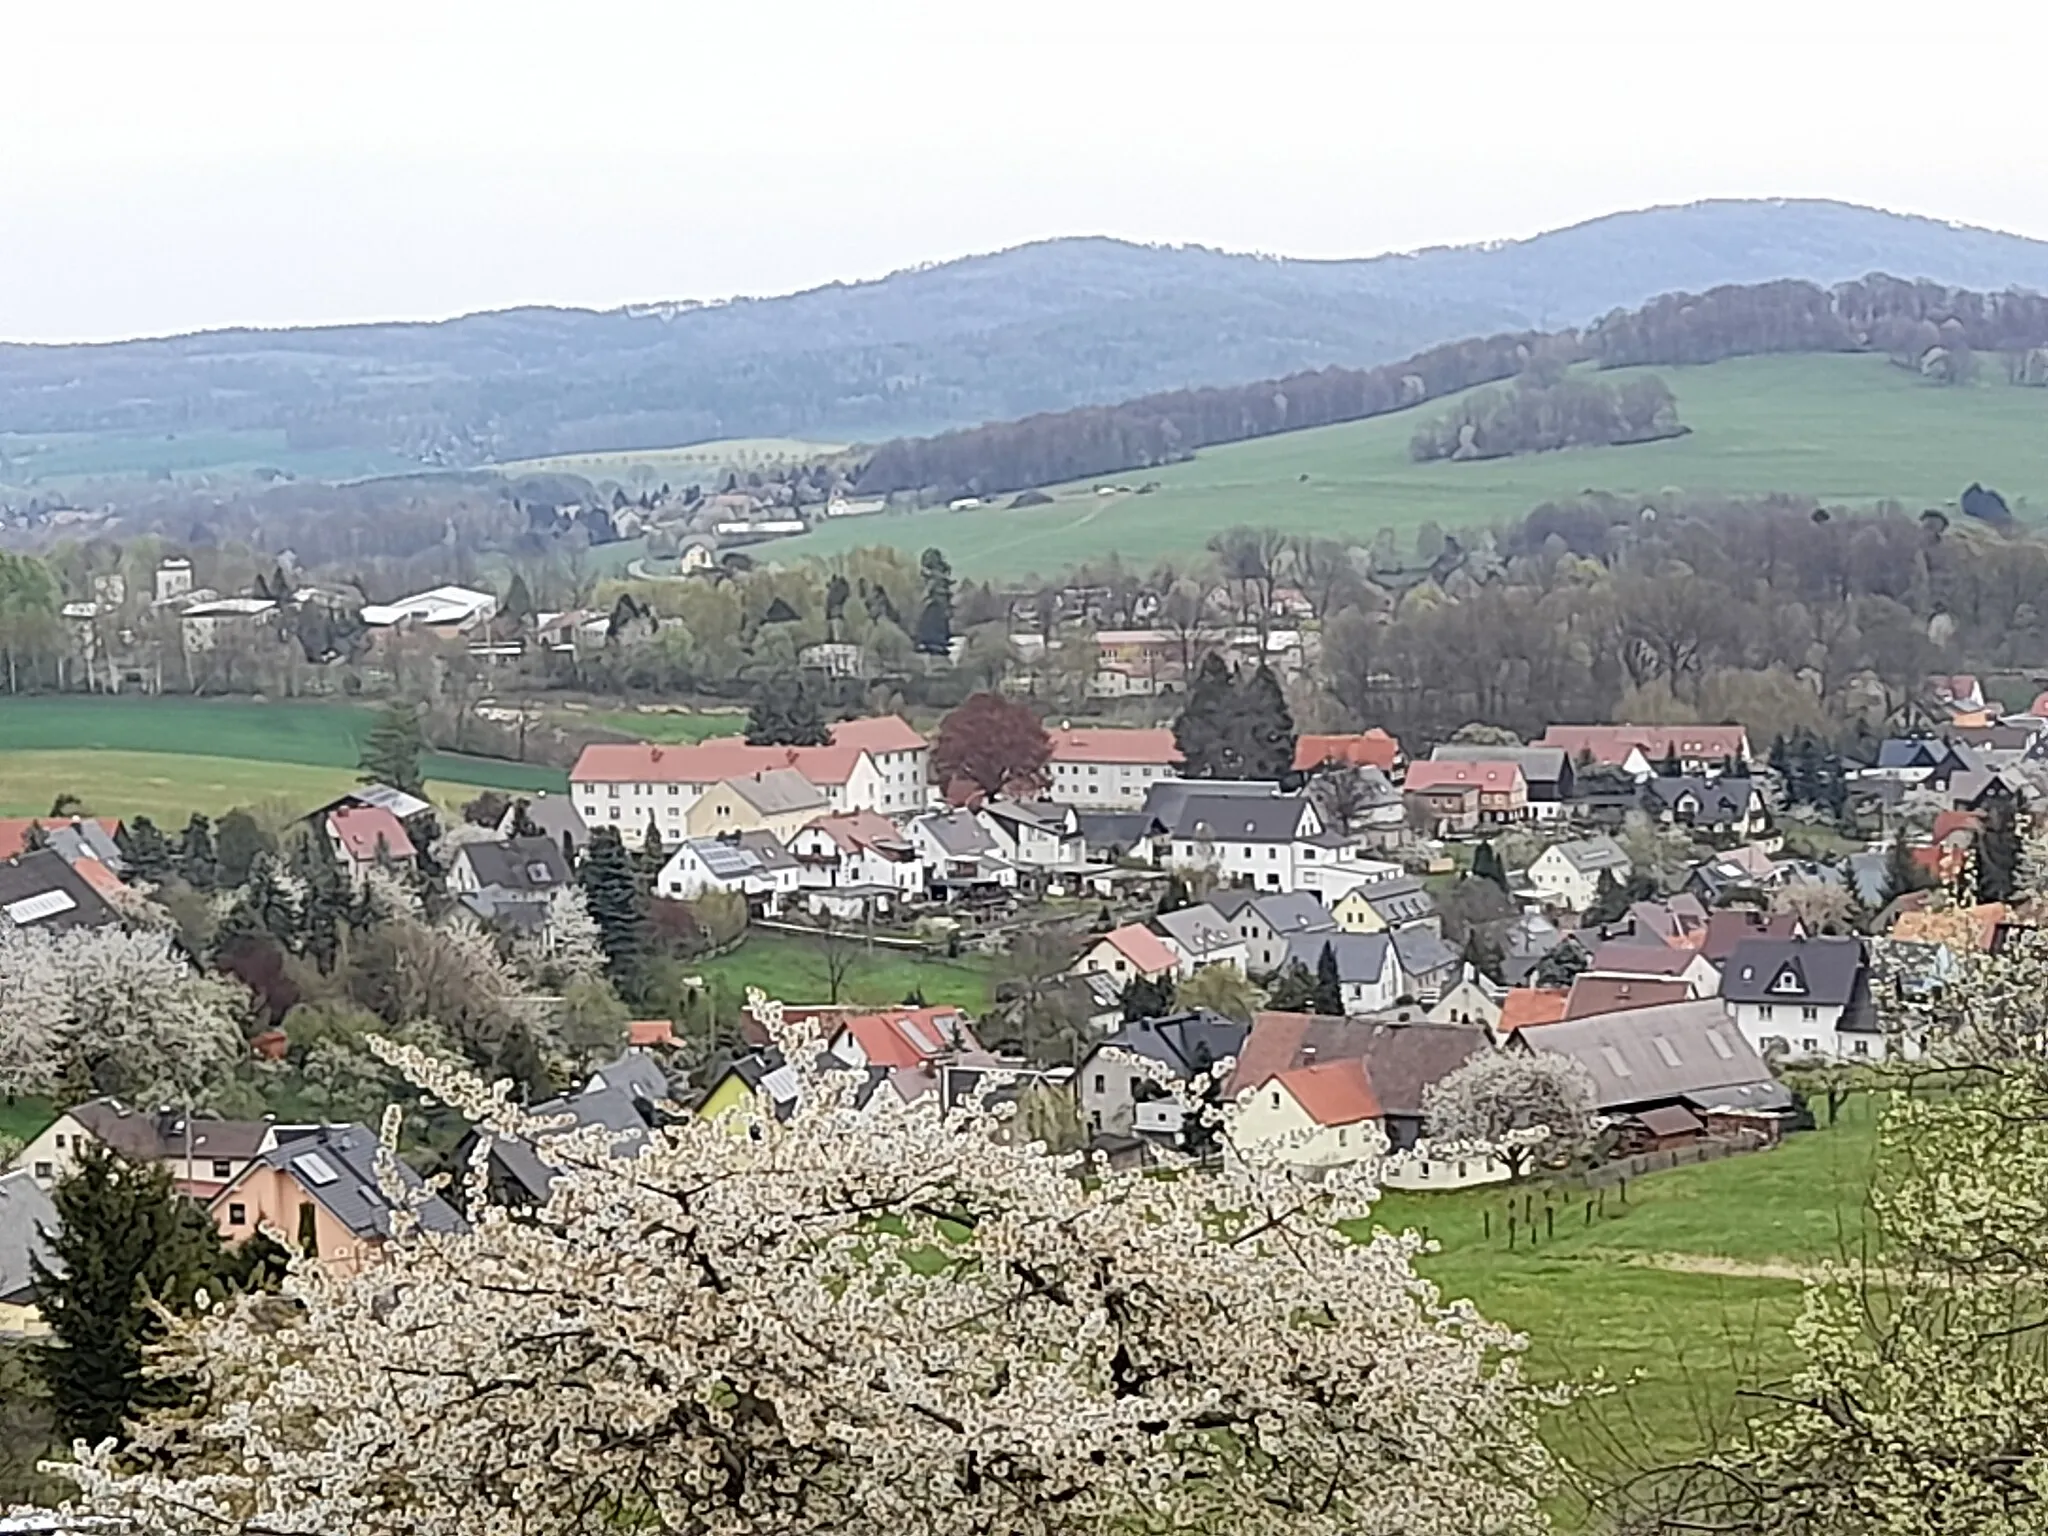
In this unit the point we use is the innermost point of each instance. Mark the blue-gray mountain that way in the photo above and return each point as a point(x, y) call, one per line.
point(1042, 327)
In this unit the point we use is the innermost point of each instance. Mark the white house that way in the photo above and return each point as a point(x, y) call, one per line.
point(1106, 768)
point(1035, 835)
point(1321, 1116)
point(1651, 959)
point(960, 853)
point(451, 608)
point(203, 624)
point(1271, 843)
point(753, 864)
point(857, 849)
point(1200, 937)
point(1127, 954)
point(1803, 997)
point(879, 765)
point(1568, 874)
point(1368, 972)
point(1267, 922)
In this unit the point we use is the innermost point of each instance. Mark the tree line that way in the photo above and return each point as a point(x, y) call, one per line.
point(1537, 416)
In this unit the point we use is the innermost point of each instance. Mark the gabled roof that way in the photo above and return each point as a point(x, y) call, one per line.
point(73, 837)
point(336, 1165)
point(1722, 799)
point(1491, 777)
point(1241, 818)
point(958, 833)
point(534, 865)
point(1421, 952)
point(369, 832)
point(1730, 926)
point(852, 831)
point(779, 792)
point(1821, 971)
point(1042, 815)
point(1367, 749)
point(554, 815)
point(1138, 944)
point(1590, 855)
point(907, 1037)
point(1198, 930)
point(614, 1108)
point(1396, 901)
point(1526, 1006)
point(730, 757)
point(40, 891)
point(151, 1137)
point(1593, 995)
point(1284, 912)
point(1401, 1060)
point(1685, 1051)
point(1185, 1043)
point(1165, 798)
point(1539, 764)
point(26, 1214)
point(1332, 1093)
point(1626, 957)
point(1361, 957)
point(1113, 744)
point(1611, 744)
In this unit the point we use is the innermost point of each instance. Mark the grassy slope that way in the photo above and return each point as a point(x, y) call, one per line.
point(691, 462)
point(170, 757)
point(1850, 429)
point(24, 1119)
point(792, 968)
point(61, 458)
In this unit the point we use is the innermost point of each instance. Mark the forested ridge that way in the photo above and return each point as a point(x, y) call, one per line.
point(1934, 329)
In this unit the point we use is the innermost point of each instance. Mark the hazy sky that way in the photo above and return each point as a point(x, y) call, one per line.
point(169, 167)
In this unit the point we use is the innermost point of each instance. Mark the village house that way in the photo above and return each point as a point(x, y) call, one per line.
point(1106, 768)
point(1142, 663)
point(40, 891)
point(1387, 905)
point(1683, 1057)
point(857, 849)
point(1270, 842)
point(1369, 973)
point(1806, 997)
point(1446, 808)
point(1568, 875)
point(624, 1097)
point(1200, 936)
point(961, 856)
point(1546, 772)
point(1594, 995)
point(554, 817)
point(509, 880)
point(753, 865)
point(1402, 1061)
point(368, 837)
point(1648, 960)
point(1368, 749)
point(878, 765)
point(1724, 807)
point(1130, 953)
point(1321, 1116)
point(1638, 750)
point(1503, 792)
point(1034, 834)
point(320, 1190)
point(1471, 1000)
point(1265, 922)
point(201, 1154)
point(776, 800)
point(27, 1221)
point(1118, 1099)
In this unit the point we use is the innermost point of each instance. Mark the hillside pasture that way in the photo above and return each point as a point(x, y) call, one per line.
point(1850, 430)
point(693, 462)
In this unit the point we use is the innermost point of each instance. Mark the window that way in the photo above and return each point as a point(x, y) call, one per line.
point(1808, 1046)
point(1763, 1012)
point(238, 1214)
point(612, 790)
point(1343, 1135)
point(1809, 1015)
point(1861, 1048)
point(1101, 1083)
point(45, 1171)
point(1272, 853)
point(221, 1170)
point(60, 1141)
point(1276, 1098)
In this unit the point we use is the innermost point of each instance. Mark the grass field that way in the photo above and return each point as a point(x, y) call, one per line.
point(663, 724)
point(678, 466)
point(165, 758)
point(1850, 429)
point(792, 968)
point(23, 1119)
point(60, 458)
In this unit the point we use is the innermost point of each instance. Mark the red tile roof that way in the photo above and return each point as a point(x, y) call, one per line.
point(1595, 995)
point(1488, 778)
point(855, 830)
point(368, 831)
point(908, 1037)
point(1142, 947)
point(1368, 749)
point(730, 757)
point(1333, 1092)
point(1731, 925)
point(1524, 1006)
point(98, 876)
point(650, 1032)
point(1611, 743)
point(1111, 744)
point(1948, 823)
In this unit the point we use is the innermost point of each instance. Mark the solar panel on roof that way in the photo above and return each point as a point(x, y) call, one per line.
point(726, 861)
point(33, 909)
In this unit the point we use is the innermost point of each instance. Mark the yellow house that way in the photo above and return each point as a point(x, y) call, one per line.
point(25, 1215)
point(777, 800)
point(1355, 914)
point(1320, 1116)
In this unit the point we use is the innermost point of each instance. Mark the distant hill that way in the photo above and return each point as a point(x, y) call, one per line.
point(1041, 327)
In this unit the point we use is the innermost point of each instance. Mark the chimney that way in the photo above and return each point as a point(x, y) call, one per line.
point(1308, 1055)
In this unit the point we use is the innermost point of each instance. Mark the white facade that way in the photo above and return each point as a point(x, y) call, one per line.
point(1034, 845)
point(1303, 863)
point(889, 783)
point(1104, 786)
point(1562, 883)
point(826, 864)
point(686, 876)
point(1804, 1029)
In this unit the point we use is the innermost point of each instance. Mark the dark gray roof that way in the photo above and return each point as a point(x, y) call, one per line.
point(42, 893)
point(1917, 752)
point(151, 1135)
point(524, 865)
point(1361, 957)
point(768, 849)
point(1282, 911)
point(85, 837)
point(1544, 765)
point(1164, 798)
point(1241, 818)
point(553, 815)
point(25, 1215)
point(1421, 952)
point(1120, 831)
point(620, 1097)
point(959, 833)
point(635, 1073)
point(1045, 815)
point(1822, 971)
point(337, 1166)
point(1198, 929)
point(1397, 901)
point(1725, 799)
point(1185, 1042)
point(1641, 1056)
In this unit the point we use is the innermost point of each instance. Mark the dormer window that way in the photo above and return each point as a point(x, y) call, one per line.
point(1788, 981)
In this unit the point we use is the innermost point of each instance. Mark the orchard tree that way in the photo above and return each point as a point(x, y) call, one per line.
point(1516, 1105)
point(995, 744)
point(862, 1321)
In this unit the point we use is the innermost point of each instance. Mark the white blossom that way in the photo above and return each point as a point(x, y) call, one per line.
point(1514, 1104)
point(873, 1321)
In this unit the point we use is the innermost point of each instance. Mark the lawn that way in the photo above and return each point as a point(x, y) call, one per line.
point(662, 724)
point(1852, 430)
point(174, 756)
point(23, 1119)
point(792, 967)
point(1678, 1298)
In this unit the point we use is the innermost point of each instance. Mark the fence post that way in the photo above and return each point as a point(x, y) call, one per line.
point(1486, 1224)
point(1550, 1221)
point(1511, 1229)
point(1589, 1213)
point(1624, 1191)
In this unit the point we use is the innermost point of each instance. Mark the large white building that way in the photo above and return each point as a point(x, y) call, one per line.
point(1104, 768)
point(1269, 842)
point(877, 765)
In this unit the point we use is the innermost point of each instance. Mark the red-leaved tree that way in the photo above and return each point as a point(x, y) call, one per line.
point(994, 744)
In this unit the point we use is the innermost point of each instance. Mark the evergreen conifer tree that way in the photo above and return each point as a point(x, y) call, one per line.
point(1901, 874)
point(1486, 865)
point(1203, 732)
point(238, 842)
point(1293, 990)
point(1265, 727)
point(1998, 852)
point(197, 862)
point(785, 714)
point(651, 857)
point(126, 1242)
point(145, 848)
point(1145, 998)
point(391, 752)
point(618, 906)
point(1328, 996)
point(1175, 897)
